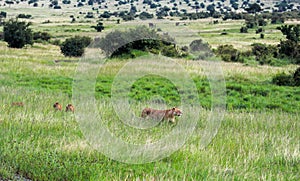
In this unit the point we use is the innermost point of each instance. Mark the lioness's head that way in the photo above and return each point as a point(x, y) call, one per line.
point(57, 106)
point(176, 111)
point(70, 107)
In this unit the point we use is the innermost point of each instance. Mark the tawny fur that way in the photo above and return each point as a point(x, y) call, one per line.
point(70, 108)
point(168, 115)
point(57, 106)
point(20, 104)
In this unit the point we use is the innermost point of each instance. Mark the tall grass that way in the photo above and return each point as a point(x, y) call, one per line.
point(42, 144)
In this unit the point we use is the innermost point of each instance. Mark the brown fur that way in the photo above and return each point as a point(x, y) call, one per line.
point(70, 107)
point(20, 104)
point(57, 106)
point(168, 115)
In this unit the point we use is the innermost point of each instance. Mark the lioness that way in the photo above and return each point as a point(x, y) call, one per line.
point(168, 114)
point(20, 104)
point(70, 107)
point(57, 106)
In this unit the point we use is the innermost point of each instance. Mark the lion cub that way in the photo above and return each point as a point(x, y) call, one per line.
point(57, 106)
point(70, 107)
point(168, 115)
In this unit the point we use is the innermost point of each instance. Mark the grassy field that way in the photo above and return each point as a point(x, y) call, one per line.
point(258, 138)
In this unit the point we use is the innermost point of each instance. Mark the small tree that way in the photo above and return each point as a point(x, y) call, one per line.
point(17, 34)
point(74, 47)
point(99, 27)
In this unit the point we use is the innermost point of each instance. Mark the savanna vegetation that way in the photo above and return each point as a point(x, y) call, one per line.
point(258, 137)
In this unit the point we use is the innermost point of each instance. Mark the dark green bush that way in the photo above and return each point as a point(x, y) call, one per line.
point(290, 49)
point(41, 36)
point(283, 79)
point(244, 29)
point(17, 34)
point(228, 53)
point(264, 53)
point(144, 15)
point(120, 43)
point(99, 27)
point(296, 77)
point(25, 16)
point(75, 46)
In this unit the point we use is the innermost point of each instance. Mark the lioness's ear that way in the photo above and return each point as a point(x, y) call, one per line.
point(173, 109)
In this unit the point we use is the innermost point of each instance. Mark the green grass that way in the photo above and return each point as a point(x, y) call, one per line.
point(39, 143)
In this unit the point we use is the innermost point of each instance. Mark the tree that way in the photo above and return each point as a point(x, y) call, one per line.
point(17, 34)
point(291, 46)
point(211, 9)
point(292, 32)
point(74, 47)
point(99, 27)
point(254, 8)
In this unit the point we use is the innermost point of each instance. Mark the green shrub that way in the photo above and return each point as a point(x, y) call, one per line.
point(290, 49)
point(199, 45)
point(244, 29)
point(41, 36)
point(17, 34)
point(264, 53)
point(25, 16)
point(75, 46)
point(56, 42)
point(228, 53)
point(283, 79)
point(296, 77)
point(99, 27)
point(120, 43)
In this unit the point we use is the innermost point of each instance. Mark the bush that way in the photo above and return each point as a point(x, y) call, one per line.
point(283, 79)
point(259, 30)
point(17, 34)
point(262, 22)
point(118, 43)
point(41, 36)
point(99, 27)
point(244, 29)
point(264, 53)
point(296, 77)
point(200, 48)
point(56, 42)
point(144, 15)
point(3, 14)
point(290, 49)
point(199, 45)
point(228, 53)
point(75, 46)
point(25, 16)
